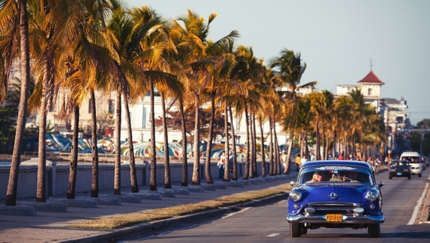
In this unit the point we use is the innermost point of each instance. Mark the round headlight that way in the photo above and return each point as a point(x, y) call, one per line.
point(372, 194)
point(295, 195)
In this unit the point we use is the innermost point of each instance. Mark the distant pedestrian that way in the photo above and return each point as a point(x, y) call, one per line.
point(298, 162)
point(230, 161)
point(303, 160)
point(284, 161)
point(312, 157)
point(221, 165)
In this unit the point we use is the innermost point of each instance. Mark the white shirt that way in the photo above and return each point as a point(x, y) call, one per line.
point(303, 161)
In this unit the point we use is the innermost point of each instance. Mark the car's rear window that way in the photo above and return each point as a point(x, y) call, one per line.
point(412, 159)
point(337, 174)
point(399, 163)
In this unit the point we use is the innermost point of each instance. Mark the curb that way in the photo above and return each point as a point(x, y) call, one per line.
point(166, 223)
point(425, 210)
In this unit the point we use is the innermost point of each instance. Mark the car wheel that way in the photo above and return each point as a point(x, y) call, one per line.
point(304, 230)
point(374, 230)
point(295, 230)
point(419, 175)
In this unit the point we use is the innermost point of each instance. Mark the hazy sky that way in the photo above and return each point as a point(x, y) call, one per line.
point(336, 38)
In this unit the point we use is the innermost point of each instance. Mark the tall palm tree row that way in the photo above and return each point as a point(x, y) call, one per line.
point(94, 45)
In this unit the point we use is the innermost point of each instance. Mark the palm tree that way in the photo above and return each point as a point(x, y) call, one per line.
point(344, 107)
point(45, 41)
point(319, 111)
point(14, 22)
point(245, 75)
point(289, 68)
point(142, 36)
point(194, 36)
point(224, 61)
point(97, 11)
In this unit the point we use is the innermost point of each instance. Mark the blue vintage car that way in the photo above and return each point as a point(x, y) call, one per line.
point(335, 194)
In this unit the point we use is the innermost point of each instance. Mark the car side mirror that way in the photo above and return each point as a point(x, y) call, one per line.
point(381, 184)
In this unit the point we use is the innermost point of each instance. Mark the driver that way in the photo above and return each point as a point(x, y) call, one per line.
point(317, 177)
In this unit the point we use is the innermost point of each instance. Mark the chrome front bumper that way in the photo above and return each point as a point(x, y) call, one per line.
point(346, 219)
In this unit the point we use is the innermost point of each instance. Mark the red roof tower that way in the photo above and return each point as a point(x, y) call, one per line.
point(371, 78)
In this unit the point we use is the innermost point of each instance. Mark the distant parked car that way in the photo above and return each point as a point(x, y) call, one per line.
point(335, 194)
point(399, 168)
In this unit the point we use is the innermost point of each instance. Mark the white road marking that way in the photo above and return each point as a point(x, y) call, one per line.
point(418, 206)
point(273, 235)
point(241, 211)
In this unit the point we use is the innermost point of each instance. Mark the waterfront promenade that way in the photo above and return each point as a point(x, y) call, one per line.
point(54, 226)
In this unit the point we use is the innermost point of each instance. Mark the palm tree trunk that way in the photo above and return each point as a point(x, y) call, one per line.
point(246, 171)
point(263, 155)
point(290, 145)
point(95, 164)
point(153, 174)
point(117, 172)
point(353, 146)
point(277, 160)
point(133, 178)
point(271, 147)
point(41, 187)
point(208, 175)
point(73, 171)
point(195, 180)
point(251, 145)
point(227, 147)
point(306, 146)
point(167, 182)
point(317, 147)
point(12, 186)
point(184, 146)
point(335, 144)
point(254, 145)
point(234, 174)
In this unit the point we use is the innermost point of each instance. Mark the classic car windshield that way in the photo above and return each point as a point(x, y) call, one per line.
point(335, 173)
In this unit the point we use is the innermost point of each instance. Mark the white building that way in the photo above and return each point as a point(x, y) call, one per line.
point(393, 111)
point(141, 125)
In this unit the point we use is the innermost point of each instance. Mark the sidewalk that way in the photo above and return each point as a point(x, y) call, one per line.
point(53, 226)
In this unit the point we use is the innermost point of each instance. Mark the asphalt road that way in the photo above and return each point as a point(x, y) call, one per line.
point(268, 223)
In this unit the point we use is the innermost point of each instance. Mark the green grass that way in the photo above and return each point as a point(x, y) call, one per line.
point(123, 220)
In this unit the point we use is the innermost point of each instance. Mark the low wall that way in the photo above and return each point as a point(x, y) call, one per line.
point(57, 176)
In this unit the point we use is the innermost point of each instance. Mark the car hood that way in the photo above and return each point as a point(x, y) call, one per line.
point(321, 193)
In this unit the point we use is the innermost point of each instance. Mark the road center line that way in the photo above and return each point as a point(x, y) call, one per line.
point(231, 214)
point(418, 206)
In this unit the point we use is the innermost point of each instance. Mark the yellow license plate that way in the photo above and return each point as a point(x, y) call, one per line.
point(334, 217)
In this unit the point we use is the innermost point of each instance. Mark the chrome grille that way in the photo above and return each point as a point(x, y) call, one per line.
point(335, 208)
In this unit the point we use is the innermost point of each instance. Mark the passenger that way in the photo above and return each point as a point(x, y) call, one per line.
point(352, 176)
point(317, 177)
